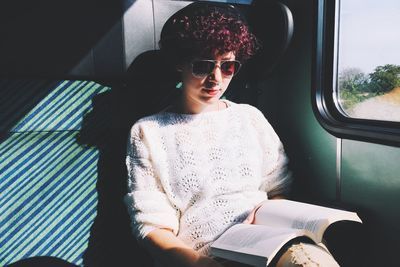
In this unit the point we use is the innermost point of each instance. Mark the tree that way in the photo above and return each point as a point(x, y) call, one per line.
point(352, 84)
point(384, 78)
point(352, 80)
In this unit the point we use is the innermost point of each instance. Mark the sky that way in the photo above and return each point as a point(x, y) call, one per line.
point(369, 34)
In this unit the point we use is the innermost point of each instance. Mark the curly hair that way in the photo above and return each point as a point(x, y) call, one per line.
point(203, 29)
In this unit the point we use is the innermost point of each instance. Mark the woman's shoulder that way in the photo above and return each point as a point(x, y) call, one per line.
point(246, 109)
point(156, 121)
point(146, 122)
point(254, 116)
point(149, 119)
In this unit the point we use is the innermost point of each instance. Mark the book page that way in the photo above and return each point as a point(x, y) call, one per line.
point(260, 241)
point(298, 215)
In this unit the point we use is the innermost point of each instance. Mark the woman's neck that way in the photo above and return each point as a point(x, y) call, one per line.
point(186, 107)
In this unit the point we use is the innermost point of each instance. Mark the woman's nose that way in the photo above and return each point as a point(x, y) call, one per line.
point(216, 73)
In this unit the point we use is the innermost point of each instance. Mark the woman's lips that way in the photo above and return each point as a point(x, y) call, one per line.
point(212, 91)
point(211, 88)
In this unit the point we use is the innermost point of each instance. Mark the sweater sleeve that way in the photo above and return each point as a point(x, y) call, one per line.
point(277, 178)
point(147, 202)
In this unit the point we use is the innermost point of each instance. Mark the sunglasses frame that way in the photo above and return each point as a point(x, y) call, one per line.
point(215, 62)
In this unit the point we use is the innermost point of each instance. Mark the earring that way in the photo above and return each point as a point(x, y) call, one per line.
point(179, 85)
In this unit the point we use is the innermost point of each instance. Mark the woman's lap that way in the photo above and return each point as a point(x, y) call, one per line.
point(306, 255)
point(298, 255)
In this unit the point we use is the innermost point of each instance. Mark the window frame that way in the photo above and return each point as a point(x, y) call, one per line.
point(324, 80)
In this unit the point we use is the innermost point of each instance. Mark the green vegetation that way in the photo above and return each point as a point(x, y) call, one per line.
point(356, 86)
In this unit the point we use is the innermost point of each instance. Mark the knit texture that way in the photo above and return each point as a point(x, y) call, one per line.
point(200, 174)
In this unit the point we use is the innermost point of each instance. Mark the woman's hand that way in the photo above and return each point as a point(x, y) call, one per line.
point(169, 250)
point(252, 215)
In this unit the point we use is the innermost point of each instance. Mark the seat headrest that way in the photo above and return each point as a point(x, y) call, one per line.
point(272, 22)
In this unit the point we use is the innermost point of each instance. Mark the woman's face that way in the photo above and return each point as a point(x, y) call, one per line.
point(202, 93)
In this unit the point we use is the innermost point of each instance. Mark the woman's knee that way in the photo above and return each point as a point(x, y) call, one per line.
point(306, 255)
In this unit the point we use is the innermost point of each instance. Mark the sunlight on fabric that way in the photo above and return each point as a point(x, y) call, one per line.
point(62, 109)
point(48, 180)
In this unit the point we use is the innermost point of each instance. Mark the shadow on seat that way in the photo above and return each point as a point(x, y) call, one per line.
point(148, 87)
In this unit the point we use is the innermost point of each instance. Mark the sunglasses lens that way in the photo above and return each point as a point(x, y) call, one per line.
point(230, 68)
point(202, 67)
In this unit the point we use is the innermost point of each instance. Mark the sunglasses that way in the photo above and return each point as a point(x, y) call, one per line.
point(202, 68)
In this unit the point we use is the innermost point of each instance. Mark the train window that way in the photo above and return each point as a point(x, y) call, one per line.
point(357, 69)
point(369, 59)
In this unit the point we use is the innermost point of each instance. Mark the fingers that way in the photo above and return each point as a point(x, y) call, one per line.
point(252, 215)
point(250, 218)
point(248, 221)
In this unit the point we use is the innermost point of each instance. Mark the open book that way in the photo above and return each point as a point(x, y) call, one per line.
point(276, 223)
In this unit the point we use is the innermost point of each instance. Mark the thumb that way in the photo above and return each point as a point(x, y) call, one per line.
point(250, 218)
point(252, 215)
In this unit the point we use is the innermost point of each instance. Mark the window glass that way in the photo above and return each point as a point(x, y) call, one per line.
point(368, 84)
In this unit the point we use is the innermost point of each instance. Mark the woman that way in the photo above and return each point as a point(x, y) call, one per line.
point(202, 164)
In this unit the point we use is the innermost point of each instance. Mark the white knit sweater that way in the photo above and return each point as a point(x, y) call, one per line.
point(199, 174)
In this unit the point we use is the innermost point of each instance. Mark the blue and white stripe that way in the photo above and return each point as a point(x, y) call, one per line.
point(48, 195)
